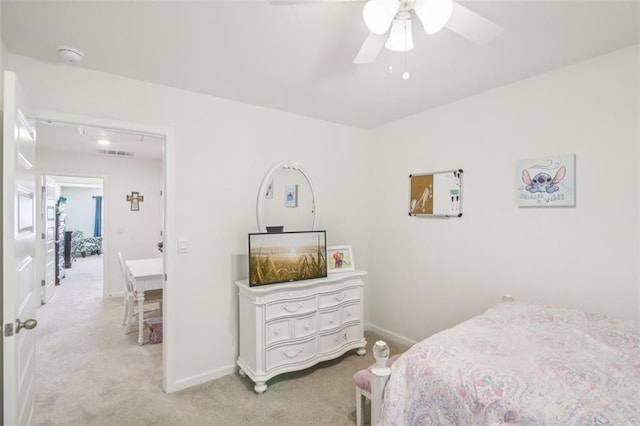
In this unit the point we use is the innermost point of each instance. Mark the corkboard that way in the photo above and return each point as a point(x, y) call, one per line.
point(436, 194)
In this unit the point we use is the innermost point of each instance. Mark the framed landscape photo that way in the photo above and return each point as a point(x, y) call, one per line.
point(340, 259)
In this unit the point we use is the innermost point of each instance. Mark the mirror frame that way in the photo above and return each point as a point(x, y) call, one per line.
point(288, 165)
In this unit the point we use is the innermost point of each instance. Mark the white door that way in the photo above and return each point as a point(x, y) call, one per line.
point(48, 237)
point(19, 246)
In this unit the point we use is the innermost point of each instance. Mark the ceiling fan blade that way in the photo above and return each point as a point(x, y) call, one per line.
point(370, 48)
point(472, 26)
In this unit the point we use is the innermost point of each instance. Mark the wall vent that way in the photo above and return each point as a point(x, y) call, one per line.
point(115, 152)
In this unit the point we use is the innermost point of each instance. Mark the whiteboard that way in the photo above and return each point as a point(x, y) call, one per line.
point(436, 194)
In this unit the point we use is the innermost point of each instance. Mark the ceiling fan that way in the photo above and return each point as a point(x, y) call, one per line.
point(390, 25)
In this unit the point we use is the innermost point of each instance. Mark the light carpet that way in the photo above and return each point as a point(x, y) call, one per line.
point(89, 373)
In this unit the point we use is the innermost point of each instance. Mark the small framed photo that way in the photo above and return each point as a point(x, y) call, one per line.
point(269, 192)
point(291, 195)
point(340, 259)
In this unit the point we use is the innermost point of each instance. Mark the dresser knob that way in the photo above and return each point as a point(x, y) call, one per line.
point(331, 320)
point(306, 326)
point(276, 331)
point(349, 313)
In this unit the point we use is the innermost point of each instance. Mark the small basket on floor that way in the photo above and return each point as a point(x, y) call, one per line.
point(155, 329)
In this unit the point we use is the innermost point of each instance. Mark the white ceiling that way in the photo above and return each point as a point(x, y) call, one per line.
point(298, 58)
point(84, 139)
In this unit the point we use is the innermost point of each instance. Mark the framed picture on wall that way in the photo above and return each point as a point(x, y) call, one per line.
point(340, 259)
point(547, 181)
point(291, 195)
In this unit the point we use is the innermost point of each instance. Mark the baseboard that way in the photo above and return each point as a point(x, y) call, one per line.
point(199, 379)
point(389, 335)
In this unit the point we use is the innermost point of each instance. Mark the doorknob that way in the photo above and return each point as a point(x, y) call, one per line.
point(28, 324)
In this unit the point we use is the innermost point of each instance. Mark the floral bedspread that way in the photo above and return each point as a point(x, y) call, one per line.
point(523, 364)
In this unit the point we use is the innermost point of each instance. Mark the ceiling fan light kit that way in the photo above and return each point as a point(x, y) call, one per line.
point(400, 38)
point(389, 23)
point(378, 14)
point(434, 14)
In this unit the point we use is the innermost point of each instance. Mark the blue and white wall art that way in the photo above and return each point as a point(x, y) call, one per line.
point(547, 181)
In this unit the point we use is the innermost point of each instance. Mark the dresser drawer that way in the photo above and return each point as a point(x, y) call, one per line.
point(330, 300)
point(290, 354)
point(332, 341)
point(329, 319)
point(276, 331)
point(336, 317)
point(350, 312)
point(291, 307)
point(304, 326)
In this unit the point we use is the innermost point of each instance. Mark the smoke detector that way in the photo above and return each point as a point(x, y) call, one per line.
point(70, 54)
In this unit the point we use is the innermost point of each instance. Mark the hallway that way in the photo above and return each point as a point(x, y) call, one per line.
point(84, 362)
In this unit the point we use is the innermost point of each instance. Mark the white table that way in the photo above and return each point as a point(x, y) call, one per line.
point(147, 275)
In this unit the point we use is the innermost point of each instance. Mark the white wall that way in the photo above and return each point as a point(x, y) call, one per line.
point(427, 274)
point(222, 151)
point(80, 208)
point(134, 233)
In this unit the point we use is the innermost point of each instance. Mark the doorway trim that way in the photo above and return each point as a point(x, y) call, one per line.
point(168, 169)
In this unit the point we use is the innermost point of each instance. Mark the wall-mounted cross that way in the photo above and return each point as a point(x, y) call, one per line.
point(135, 198)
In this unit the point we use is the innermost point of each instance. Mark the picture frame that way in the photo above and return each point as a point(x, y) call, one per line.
point(135, 198)
point(547, 181)
point(269, 191)
point(291, 195)
point(340, 259)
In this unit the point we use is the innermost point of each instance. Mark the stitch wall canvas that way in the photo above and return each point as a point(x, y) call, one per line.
point(547, 181)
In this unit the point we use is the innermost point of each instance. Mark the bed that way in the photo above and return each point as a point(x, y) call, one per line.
point(523, 364)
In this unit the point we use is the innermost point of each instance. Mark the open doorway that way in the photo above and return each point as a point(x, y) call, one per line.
point(132, 163)
point(74, 214)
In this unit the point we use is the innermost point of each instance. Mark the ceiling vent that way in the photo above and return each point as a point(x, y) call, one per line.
point(115, 152)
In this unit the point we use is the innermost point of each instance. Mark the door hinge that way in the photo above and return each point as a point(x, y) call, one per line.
point(43, 283)
point(43, 236)
point(8, 329)
point(165, 276)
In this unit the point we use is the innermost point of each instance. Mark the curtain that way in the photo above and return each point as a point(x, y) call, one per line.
point(97, 225)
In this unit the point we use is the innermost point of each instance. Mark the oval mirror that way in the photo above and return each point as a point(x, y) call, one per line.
point(287, 199)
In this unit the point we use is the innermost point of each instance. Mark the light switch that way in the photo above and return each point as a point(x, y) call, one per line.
point(183, 245)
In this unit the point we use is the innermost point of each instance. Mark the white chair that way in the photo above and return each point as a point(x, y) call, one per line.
point(130, 297)
point(363, 380)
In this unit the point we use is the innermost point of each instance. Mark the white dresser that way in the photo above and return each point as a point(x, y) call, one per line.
point(292, 326)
